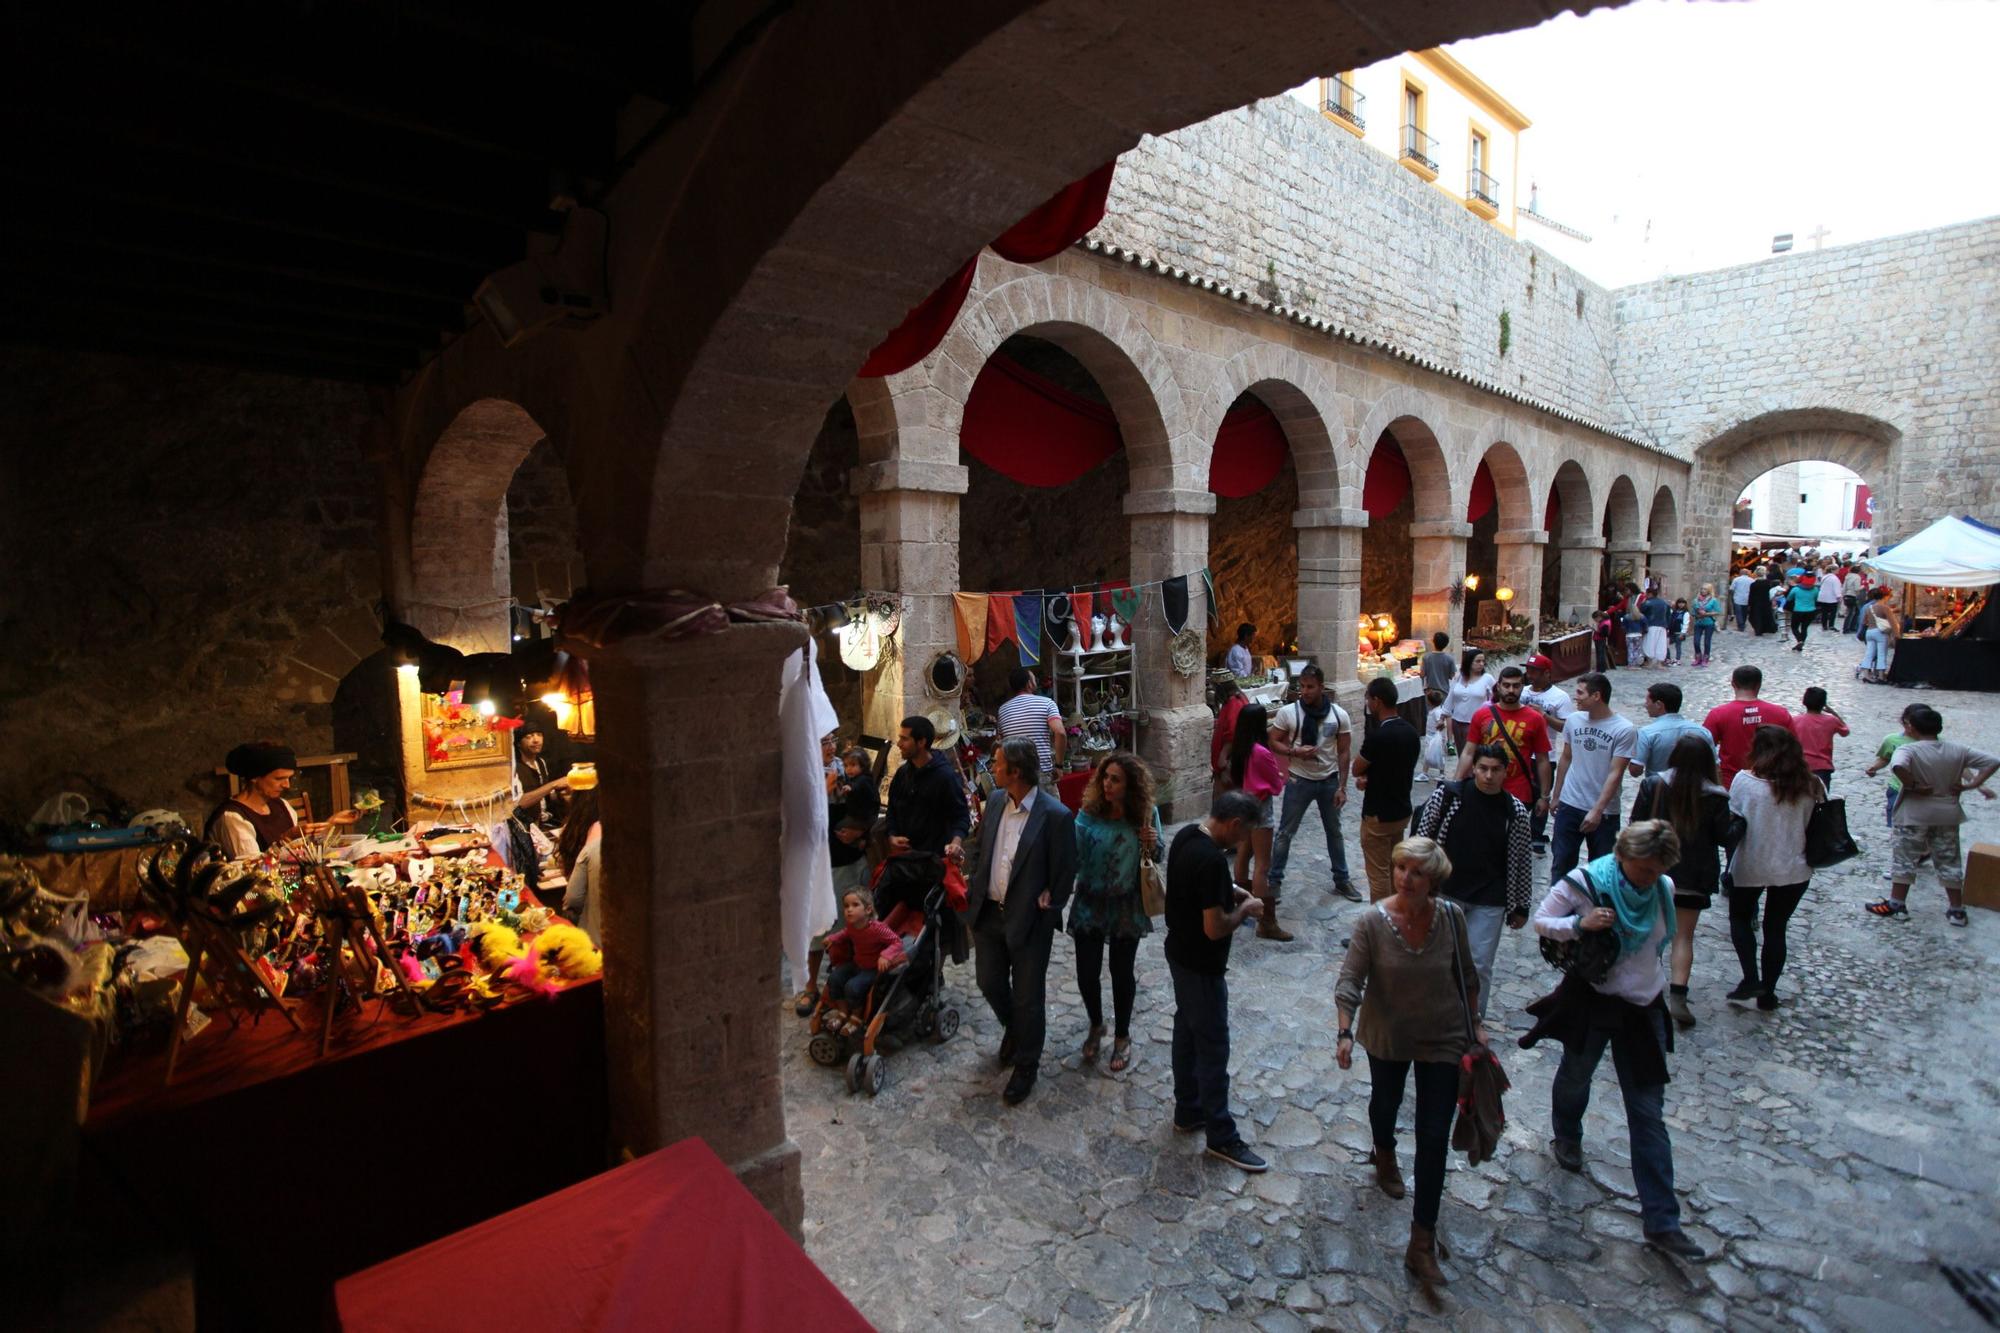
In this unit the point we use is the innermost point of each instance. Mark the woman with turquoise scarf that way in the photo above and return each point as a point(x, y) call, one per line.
point(1627, 893)
point(1116, 827)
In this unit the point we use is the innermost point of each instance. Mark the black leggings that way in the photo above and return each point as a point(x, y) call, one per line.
point(1089, 966)
point(1437, 1100)
point(1743, 928)
point(1801, 622)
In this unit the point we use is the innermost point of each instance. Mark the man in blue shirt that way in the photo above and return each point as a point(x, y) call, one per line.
point(1658, 737)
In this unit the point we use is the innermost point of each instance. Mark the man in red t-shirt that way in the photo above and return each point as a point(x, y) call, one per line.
point(1734, 724)
point(1528, 730)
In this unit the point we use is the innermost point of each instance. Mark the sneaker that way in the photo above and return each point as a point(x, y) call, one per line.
point(1767, 1001)
point(1745, 992)
point(1955, 916)
point(1568, 1154)
point(1345, 888)
point(1238, 1154)
point(1676, 1244)
point(1888, 907)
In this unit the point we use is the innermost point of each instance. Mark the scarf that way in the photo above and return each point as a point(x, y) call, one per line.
point(1309, 728)
point(1636, 909)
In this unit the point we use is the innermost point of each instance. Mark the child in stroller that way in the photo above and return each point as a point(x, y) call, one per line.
point(920, 893)
point(858, 954)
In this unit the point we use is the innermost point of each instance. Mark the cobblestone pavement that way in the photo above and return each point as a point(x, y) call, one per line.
point(1834, 1152)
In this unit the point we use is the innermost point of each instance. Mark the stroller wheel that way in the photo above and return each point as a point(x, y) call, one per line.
point(824, 1048)
point(947, 1024)
point(854, 1072)
point(874, 1073)
point(926, 1022)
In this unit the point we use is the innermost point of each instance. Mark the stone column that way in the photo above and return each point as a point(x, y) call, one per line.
point(909, 546)
point(1330, 594)
point(688, 756)
point(1169, 531)
point(1671, 566)
point(1630, 553)
point(1580, 557)
point(1520, 568)
point(1437, 565)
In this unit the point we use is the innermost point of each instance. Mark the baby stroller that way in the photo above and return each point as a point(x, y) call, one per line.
point(908, 1000)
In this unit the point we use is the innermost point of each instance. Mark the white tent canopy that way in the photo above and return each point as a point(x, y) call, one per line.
point(1950, 553)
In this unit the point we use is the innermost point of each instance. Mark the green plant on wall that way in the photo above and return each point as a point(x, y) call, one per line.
point(1506, 332)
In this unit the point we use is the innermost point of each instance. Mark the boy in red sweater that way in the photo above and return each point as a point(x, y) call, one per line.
point(858, 953)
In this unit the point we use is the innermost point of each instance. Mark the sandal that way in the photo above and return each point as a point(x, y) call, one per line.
point(1955, 915)
point(806, 1001)
point(1090, 1044)
point(1887, 907)
point(1121, 1054)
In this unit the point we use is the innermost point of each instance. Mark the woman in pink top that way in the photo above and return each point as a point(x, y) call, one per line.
point(1816, 728)
point(1256, 772)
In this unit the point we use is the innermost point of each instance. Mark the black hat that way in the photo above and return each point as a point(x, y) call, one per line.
point(257, 758)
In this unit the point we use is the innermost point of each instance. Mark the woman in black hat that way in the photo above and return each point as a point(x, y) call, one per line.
point(256, 818)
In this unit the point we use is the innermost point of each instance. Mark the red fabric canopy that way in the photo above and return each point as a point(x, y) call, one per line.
point(1483, 495)
point(671, 1240)
point(1249, 450)
point(1862, 517)
point(1388, 479)
point(1032, 429)
point(1552, 514)
point(1061, 221)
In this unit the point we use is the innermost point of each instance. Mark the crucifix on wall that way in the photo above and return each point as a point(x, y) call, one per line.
point(1818, 235)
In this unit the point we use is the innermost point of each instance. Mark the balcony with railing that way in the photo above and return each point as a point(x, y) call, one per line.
point(1482, 187)
point(1340, 99)
point(1420, 151)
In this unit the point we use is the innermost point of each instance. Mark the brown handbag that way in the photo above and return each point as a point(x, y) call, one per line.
point(1152, 886)
point(1481, 1081)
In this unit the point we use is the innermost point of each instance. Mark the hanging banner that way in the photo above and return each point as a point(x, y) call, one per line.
point(968, 609)
point(1174, 603)
point(1028, 628)
point(923, 328)
point(1249, 453)
point(1032, 430)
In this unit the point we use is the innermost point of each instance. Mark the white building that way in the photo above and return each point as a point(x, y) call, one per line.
point(1811, 499)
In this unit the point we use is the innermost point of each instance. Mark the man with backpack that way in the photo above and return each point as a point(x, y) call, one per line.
point(1520, 733)
point(1483, 829)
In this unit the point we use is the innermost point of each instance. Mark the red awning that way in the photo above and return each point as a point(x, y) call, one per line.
point(1388, 479)
point(1249, 450)
point(1032, 429)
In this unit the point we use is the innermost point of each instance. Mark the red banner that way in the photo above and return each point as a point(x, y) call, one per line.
point(1483, 495)
point(1249, 451)
point(1033, 430)
point(1388, 479)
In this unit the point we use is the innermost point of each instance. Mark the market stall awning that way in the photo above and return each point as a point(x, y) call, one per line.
point(1950, 553)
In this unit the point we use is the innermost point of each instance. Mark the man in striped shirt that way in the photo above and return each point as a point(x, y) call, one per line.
point(1033, 717)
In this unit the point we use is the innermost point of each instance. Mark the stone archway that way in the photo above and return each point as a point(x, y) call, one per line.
point(460, 581)
point(1665, 556)
point(1570, 519)
point(1866, 445)
point(1514, 530)
point(1623, 530)
point(1413, 555)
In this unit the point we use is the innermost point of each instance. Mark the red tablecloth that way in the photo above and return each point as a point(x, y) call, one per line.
point(670, 1241)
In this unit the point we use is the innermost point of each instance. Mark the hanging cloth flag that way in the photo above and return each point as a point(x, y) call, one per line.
point(999, 619)
point(1080, 607)
point(1174, 602)
point(1028, 627)
point(1125, 601)
point(969, 610)
point(1057, 620)
point(1214, 611)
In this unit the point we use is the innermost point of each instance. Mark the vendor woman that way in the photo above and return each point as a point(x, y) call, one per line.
point(256, 818)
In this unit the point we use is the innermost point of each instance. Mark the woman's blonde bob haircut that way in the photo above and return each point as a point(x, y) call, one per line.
point(1650, 840)
point(1424, 855)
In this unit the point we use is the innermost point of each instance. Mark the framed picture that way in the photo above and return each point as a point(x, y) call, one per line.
point(458, 735)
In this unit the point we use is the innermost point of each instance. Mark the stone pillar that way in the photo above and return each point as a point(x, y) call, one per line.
point(1630, 553)
point(1580, 559)
point(1437, 559)
point(1671, 566)
point(909, 546)
point(1330, 594)
point(1169, 531)
point(1520, 568)
point(688, 756)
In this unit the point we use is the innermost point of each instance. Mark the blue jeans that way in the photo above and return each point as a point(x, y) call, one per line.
point(1482, 935)
point(1301, 794)
point(1704, 640)
point(850, 984)
point(1570, 838)
point(1645, 1120)
point(1877, 656)
point(1674, 647)
point(1201, 1053)
point(1742, 610)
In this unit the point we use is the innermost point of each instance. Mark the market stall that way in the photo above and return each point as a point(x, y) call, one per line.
point(1949, 571)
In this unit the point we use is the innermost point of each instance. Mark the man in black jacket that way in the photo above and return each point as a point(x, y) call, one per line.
point(927, 809)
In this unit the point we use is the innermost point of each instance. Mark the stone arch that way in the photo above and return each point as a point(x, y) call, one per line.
point(1406, 416)
point(460, 585)
point(1663, 522)
point(1512, 492)
point(1299, 395)
point(1570, 488)
point(1622, 527)
point(1569, 580)
point(1506, 547)
point(1727, 464)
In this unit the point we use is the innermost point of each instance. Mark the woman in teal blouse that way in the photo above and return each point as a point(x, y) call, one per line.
point(1116, 826)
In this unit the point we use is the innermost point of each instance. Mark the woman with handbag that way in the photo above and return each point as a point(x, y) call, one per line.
point(1775, 796)
point(1688, 796)
point(1409, 973)
point(1258, 773)
point(1117, 830)
point(1608, 924)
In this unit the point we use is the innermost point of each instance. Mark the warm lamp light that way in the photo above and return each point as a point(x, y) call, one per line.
point(407, 668)
point(1505, 594)
point(486, 708)
point(1472, 583)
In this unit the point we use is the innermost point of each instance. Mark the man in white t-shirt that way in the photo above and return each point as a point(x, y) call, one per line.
point(1315, 735)
point(1597, 746)
point(1555, 704)
point(1739, 596)
point(1032, 717)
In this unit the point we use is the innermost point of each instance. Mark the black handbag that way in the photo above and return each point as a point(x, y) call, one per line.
point(1827, 840)
point(1590, 955)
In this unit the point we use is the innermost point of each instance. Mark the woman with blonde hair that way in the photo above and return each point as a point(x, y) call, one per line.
point(1117, 827)
point(1707, 610)
point(1409, 972)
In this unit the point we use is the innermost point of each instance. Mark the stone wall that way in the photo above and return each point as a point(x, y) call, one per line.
point(192, 562)
point(1274, 200)
point(1388, 574)
point(1253, 555)
point(541, 530)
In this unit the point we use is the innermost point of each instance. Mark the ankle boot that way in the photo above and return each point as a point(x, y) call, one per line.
point(1421, 1257)
point(1388, 1177)
point(1268, 927)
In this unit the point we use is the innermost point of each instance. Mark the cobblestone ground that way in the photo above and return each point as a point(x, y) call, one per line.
point(1834, 1152)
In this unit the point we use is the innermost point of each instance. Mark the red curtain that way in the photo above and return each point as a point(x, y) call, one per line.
point(1552, 513)
point(1388, 479)
point(1032, 429)
point(1065, 218)
point(1862, 518)
point(1249, 451)
point(1482, 497)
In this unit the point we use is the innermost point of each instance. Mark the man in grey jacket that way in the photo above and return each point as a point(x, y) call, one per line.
point(1020, 880)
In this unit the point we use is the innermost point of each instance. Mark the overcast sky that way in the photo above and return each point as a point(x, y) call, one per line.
point(1682, 136)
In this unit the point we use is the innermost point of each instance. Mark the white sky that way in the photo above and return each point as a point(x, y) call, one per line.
point(1682, 136)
